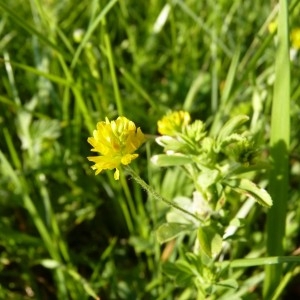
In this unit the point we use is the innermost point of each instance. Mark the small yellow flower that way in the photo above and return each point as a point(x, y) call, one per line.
point(116, 141)
point(295, 38)
point(173, 123)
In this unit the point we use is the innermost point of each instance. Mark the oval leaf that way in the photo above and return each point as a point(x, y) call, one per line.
point(248, 187)
point(166, 160)
point(50, 263)
point(169, 231)
point(228, 283)
point(210, 241)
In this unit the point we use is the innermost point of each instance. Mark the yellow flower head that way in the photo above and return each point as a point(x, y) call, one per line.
point(173, 123)
point(116, 141)
point(295, 38)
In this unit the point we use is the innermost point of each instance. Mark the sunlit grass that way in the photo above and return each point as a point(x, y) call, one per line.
point(280, 145)
point(69, 234)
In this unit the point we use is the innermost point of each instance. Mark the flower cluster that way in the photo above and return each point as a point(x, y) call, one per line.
point(179, 134)
point(116, 141)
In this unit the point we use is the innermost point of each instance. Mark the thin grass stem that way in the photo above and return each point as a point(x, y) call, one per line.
point(155, 195)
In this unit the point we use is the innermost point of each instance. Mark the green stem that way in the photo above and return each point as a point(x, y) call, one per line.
point(51, 220)
point(153, 193)
point(129, 205)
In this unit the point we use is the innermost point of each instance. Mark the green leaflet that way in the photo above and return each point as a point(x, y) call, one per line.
point(248, 187)
point(166, 160)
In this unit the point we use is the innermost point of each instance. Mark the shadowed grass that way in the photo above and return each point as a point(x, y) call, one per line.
point(68, 234)
point(280, 144)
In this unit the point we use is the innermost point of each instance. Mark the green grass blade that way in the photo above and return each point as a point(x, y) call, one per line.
point(12, 150)
point(263, 261)
point(279, 142)
point(30, 29)
point(138, 88)
point(201, 80)
point(94, 25)
point(110, 57)
point(202, 24)
point(37, 72)
point(293, 271)
point(225, 104)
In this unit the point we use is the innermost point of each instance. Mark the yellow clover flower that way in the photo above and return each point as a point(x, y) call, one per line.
point(116, 141)
point(173, 123)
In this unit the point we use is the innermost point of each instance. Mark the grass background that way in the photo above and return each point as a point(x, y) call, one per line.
point(66, 234)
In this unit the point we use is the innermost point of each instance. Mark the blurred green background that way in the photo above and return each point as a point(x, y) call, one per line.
point(65, 65)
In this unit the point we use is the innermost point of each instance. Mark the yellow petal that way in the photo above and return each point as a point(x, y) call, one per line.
point(126, 159)
point(117, 174)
